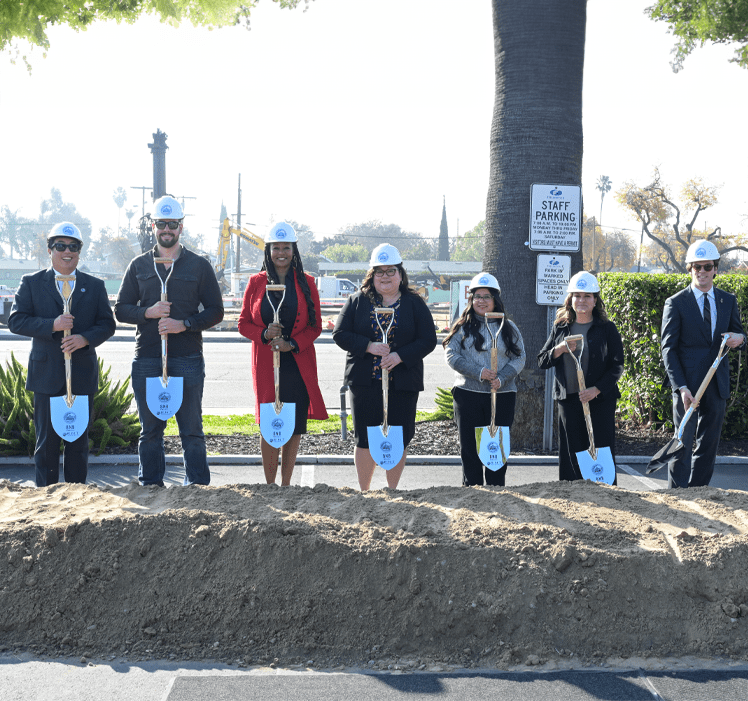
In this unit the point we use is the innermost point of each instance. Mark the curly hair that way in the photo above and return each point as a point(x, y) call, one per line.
point(272, 275)
point(473, 323)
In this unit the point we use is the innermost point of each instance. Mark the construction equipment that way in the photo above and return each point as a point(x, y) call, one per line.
point(224, 243)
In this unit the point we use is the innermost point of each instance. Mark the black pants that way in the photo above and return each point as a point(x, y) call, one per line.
point(696, 466)
point(47, 451)
point(473, 410)
point(572, 432)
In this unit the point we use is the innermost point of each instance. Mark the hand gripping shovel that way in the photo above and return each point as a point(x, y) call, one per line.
point(163, 395)
point(671, 453)
point(385, 441)
point(494, 449)
point(595, 464)
point(277, 420)
point(69, 414)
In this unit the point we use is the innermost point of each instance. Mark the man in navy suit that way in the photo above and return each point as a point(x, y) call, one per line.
point(693, 324)
point(38, 312)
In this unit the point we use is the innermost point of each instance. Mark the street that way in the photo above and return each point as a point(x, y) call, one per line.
point(228, 382)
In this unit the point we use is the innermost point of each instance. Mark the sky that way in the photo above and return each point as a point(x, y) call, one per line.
point(349, 112)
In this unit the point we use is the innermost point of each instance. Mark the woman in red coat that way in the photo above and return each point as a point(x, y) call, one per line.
point(300, 324)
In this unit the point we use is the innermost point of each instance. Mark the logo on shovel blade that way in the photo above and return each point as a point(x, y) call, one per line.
point(493, 446)
point(69, 417)
point(277, 424)
point(164, 397)
point(597, 468)
point(386, 446)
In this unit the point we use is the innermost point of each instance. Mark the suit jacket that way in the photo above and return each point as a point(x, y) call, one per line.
point(37, 304)
point(414, 339)
point(251, 326)
point(686, 348)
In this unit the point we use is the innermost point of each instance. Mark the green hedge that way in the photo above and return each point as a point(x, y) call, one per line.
point(635, 302)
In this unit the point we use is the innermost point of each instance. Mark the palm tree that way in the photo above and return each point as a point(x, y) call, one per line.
point(536, 137)
point(119, 197)
point(603, 185)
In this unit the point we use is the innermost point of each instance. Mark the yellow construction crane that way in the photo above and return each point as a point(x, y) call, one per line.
point(224, 241)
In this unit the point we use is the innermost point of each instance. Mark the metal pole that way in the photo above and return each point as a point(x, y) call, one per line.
point(549, 380)
point(237, 261)
point(343, 414)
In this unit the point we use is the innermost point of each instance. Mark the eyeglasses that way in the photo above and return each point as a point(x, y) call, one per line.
point(173, 225)
point(483, 298)
point(389, 273)
point(707, 266)
point(72, 247)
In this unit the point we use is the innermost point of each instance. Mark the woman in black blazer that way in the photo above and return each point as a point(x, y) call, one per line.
point(411, 338)
point(584, 313)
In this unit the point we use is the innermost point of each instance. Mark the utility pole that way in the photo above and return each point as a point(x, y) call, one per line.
point(237, 262)
point(158, 149)
point(143, 188)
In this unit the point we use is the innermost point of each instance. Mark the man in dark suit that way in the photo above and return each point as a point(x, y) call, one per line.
point(693, 324)
point(38, 312)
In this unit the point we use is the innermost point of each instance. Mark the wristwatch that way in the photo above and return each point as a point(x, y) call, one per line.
point(187, 324)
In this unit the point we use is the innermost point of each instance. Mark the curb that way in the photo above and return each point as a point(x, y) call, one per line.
point(519, 460)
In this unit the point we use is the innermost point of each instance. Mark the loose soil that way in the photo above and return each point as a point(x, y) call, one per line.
point(475, 577)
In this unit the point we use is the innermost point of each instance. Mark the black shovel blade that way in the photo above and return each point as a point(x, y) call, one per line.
point(666, 456)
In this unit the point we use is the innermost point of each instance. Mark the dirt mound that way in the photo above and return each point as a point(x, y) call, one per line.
point(478, 576)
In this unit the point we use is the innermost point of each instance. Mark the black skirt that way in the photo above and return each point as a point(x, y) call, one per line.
point(293, 389)
point(366, 410)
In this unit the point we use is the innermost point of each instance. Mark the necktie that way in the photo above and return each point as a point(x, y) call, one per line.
point(707, 313)
point(66, 289)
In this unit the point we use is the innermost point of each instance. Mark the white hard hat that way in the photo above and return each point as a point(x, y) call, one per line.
point(281, 232)
point(702, 250)
point(385, 254)
point(583, 282)
point(167, 208)
point(65, 228)
point(484, 280)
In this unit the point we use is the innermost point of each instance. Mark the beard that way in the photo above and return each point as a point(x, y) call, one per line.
point(168, 244)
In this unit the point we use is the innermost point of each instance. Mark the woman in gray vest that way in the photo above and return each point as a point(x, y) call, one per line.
point(468, 353)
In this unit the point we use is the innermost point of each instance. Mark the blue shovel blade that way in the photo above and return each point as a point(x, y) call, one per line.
point(164, 402)
point(69, 423)
point(601, 470)
point(386, 451)
point(277, 429)
point(490, 450)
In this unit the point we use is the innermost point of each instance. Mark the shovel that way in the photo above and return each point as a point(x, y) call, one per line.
point(493, 450)
point(385, 441)
point(277, 420)
point(69, 414)
point(595, 464)
point(163, 395)
point(671, 453)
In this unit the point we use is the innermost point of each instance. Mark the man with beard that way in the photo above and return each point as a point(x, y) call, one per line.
point(191, 283)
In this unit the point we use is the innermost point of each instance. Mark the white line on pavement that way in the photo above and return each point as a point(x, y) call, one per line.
point(648, 483)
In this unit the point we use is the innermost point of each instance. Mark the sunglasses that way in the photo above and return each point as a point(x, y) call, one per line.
point(72, 247)
point(707, 266)
point(173, 225)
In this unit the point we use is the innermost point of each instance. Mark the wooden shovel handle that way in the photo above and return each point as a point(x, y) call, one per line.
point(587, 416)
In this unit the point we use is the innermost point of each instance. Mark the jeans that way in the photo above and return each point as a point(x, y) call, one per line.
point(152, 463)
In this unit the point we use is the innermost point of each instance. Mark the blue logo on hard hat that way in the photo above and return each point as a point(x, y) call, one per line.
point(582, 284)
point(484, 280)
point(701, 252)
point(383, 257)
point(68, 230)
point(280, 233)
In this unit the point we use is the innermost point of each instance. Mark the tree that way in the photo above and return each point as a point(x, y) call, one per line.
point(655, 208)
point(443, 235)
point(346, 253)
point(469, 248)
point(536, 137)
point(603, 185)
point(28, 20)
point(119, 197)
point(15, 230)
point(696, 22)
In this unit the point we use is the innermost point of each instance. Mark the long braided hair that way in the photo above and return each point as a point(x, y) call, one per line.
point(269, 267)
point(473, 325)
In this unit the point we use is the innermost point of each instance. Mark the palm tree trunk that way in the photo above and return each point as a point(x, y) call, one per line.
point(536, 137)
